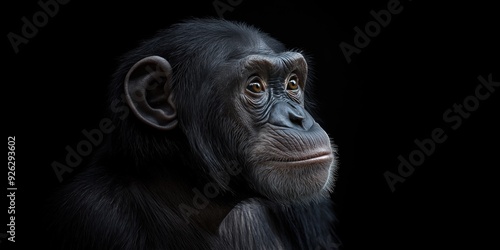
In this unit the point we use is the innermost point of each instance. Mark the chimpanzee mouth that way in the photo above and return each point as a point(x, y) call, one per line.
point(306, 159)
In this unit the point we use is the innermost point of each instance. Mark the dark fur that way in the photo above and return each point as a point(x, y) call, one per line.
point(129, 196)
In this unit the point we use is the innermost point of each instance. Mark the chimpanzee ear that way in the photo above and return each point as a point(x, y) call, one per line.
point(148, 92)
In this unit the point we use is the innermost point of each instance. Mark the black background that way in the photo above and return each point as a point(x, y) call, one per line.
point(395, 91)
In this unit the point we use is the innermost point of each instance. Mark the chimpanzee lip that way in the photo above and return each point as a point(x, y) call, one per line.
point(307, 158)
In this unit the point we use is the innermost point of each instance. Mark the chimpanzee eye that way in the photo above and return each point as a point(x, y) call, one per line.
point(293, 83)
point(256, 85)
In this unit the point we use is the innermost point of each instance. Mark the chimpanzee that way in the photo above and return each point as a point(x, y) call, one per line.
point(214, 148)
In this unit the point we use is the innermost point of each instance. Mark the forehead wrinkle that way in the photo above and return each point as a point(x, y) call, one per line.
point(293, 60)
point(275, 64)
point(258, 63)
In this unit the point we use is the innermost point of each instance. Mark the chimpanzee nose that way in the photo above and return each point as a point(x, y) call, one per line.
point(290, 115)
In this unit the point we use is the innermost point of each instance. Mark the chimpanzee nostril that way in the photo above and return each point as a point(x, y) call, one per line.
point(296, 116)
point(290, 115)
